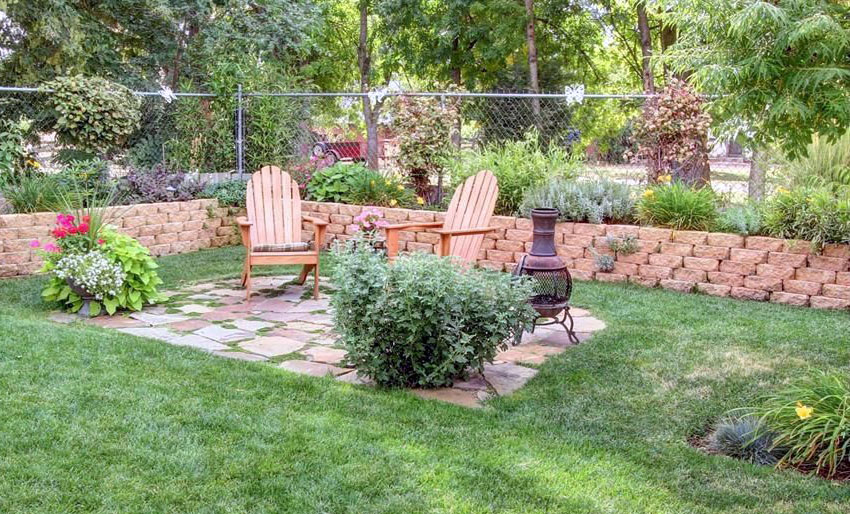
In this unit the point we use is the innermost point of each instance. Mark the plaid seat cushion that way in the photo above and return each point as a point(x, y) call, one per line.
point(283, 247)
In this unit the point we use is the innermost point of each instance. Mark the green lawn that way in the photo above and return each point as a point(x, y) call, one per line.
point(94, 420)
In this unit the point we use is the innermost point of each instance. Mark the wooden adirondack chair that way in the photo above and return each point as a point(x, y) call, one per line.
point(272, 231)
point(466, 222)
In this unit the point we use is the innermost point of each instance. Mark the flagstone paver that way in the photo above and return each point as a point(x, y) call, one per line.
point(326, 355)
point(272, 346)
point(282, 320)
point(223, 335)
point(251, 325)
point(196, 341)
point(315, 369)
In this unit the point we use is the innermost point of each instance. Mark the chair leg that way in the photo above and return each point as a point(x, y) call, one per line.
point(247, 282)
point(245, 270)
point(316, 281)
point(305, 270)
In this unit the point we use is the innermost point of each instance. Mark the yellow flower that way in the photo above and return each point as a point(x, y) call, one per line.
point(393, 202)
point(648, 193)
point(400, 187)
point(781, 190)
point(388, 182)
point(803, 411)
point(372, 183)
point(665, 179)
point(420, 200)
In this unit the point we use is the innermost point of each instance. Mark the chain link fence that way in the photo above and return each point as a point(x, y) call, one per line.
point(233, 134)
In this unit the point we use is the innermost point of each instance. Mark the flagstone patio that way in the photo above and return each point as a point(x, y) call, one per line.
point(284, 326)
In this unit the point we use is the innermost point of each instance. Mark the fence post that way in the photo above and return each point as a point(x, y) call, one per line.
point(240, 132)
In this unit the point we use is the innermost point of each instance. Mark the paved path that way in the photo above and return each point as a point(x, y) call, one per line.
point(282, 325)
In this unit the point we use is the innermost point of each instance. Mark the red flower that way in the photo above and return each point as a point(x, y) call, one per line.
point(72, 230)
point(100, 241)
point(83, 228)
point(59, 233)
point(86, 219)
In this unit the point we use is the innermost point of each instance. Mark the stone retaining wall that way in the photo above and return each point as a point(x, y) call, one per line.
point(750, 268)
point(165, 228)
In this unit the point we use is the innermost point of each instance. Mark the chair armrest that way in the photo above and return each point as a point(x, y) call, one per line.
point(315, 221)
point(245, 231)
point(463, 231)
point(392, 234)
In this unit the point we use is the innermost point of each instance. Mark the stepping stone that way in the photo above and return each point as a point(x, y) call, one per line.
point(588, 324)
point(314, 369)
point(517, 356)
point(157, 319)
point(354, 377)
point(115, 322)
point(305, 327)
point(223, 335)
point(450, 395)
point(201, 287)
point(311, 306)
point(326, 355)
point(475, 382)
point(63, 317)
point(242, 356)
point(319, 319)
point(274, 305)
point(280, 317)
point(241, 307)
point(227, 292)
point(156, 309)
point(162, 334)
point(199, 342)
point(190, 325)
point(250, 325)
point(272, 346)
point(325, 340)
point(202, 296)
point(219, 315)
point(578, 312)
point(195, 308)
point(304, 337)
point(506, 378)
point(229, 300)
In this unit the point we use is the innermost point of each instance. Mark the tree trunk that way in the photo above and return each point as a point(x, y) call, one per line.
point(370, 112)
point(755, 184)
point(533, 81)
point(645, 48)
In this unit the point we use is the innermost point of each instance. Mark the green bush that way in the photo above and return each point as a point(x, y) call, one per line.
point(15, 160)
point(599, 201)
point(818, 215)
point(230, 193)
point(518, 166)
point(334, 183)
point(745, 220)
point(92, 113)
point(370, 187)
point(678, 206)
point(33, 193)
point(826, 163)
point(811, 420)
point(423, 321)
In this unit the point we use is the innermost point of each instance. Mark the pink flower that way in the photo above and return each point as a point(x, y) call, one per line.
point(34, 244)
point(52, 248)
point(83, 228)
point(100, 241)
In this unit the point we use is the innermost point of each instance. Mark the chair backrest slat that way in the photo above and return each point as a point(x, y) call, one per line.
point(471, 206)
point(273, 203)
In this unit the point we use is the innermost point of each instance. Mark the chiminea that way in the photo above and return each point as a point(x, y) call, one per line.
point(552, 281)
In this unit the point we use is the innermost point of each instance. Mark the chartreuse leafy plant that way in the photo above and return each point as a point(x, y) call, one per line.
point(334, 183)
point(811, 421)
point(93, 114)
point(424, 321)
point(819, 215)
point(678, 206)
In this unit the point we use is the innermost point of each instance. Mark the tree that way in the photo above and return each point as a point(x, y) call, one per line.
point(531, 42)
point(645, 47)
point(779, 70)
point(371, 111)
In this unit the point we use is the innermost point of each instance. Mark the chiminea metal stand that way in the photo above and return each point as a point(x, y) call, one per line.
point(552, 281)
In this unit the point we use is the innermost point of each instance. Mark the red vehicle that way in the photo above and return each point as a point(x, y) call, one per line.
point(344, 150)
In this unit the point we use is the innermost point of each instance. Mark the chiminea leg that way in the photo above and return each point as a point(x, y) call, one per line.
point(570, 332)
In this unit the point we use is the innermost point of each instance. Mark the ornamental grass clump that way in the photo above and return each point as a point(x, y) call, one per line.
point(676, 205)
point(424, 321)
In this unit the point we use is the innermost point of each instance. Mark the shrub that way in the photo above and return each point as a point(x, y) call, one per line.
point(672, 135)
point(678, 206)
point(744, 438)
point(15, 159)
point(518, 166)
point(33, 193)
point(92, 113)
point(745, 220)
point(159, 184)
point(369, 187)
point(424, 321)
point(600, 201)
point(334, 183)
point(812, 421)
point(230, 193)
point(425, 127)
point(815, 214)
point(826, 163)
